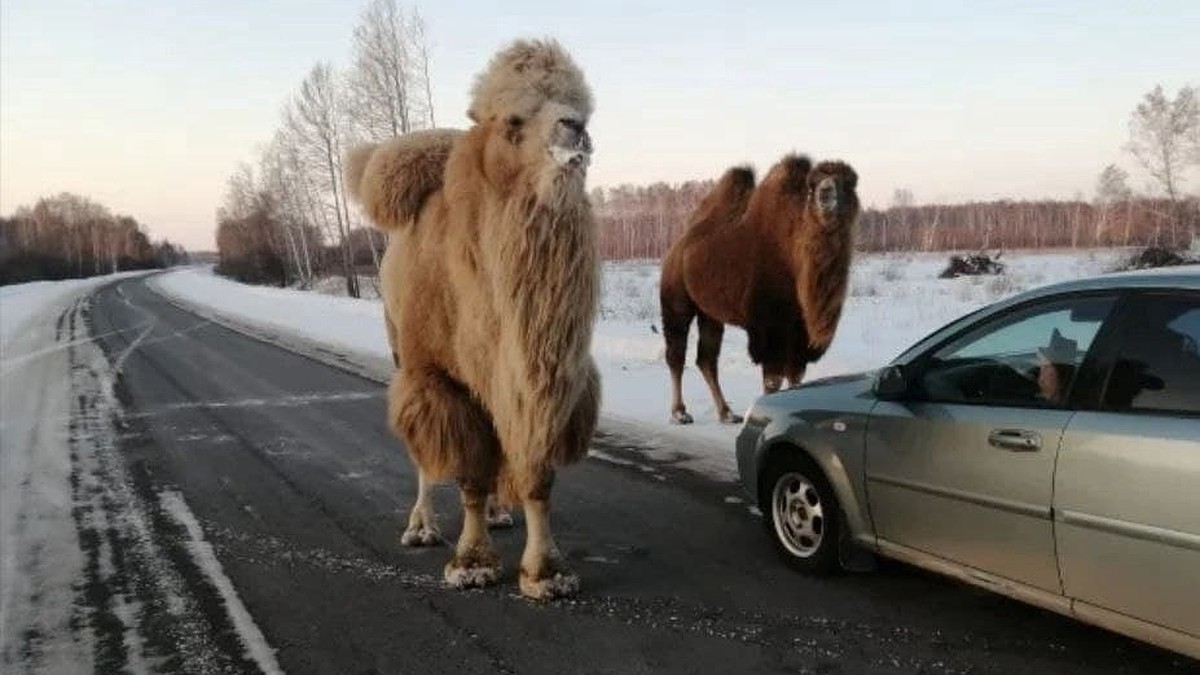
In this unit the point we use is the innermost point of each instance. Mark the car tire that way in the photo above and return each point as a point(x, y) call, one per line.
point(801, 514)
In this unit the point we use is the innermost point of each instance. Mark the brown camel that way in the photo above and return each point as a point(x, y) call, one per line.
point(772, 259)
point(491, 288)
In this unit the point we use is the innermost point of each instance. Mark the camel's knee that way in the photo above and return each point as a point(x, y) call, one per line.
point(540, 487)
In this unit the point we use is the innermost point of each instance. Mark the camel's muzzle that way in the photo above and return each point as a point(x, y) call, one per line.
point(827, 195)
point(571, 145)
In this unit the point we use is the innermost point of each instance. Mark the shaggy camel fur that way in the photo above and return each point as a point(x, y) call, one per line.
point(491, 288)
point(773, 260)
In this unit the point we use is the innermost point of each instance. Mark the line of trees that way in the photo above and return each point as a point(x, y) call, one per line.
point(288, 220)
point(68, 236)
point(642, 221)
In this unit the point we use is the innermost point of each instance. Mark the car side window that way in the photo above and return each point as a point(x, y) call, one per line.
point(1157, 367)
point(1025, 358)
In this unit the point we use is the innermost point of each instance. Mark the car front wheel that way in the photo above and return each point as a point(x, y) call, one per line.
point(802, 515)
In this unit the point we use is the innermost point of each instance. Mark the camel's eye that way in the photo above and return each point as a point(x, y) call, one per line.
point(515, 121)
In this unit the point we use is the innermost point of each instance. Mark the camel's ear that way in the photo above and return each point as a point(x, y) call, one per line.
point(851, 178)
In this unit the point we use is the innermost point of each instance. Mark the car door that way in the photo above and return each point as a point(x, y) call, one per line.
point(1127, 490)
point(962, 467)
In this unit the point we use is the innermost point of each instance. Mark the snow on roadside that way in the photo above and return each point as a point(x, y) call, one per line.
point(87, 582)
point(339, 323)
point(21, 302)
point(895, 299)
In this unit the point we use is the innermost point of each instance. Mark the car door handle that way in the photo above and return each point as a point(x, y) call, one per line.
point(1018, 440)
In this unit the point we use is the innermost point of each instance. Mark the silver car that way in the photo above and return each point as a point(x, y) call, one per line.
point(1046, 447)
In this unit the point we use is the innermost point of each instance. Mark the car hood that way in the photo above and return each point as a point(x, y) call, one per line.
point(839, 394)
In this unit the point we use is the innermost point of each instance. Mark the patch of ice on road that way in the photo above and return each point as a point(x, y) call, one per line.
point(252, 638)
point(611, 459)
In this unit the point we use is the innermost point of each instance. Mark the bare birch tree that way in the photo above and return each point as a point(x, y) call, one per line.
point(280, 178)
point(389, 83)
point(1164, 136)
point(418, 41)
point(316, 121)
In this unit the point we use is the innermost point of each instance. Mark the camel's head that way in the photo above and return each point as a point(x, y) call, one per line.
point(534, 106)
point(832, 195)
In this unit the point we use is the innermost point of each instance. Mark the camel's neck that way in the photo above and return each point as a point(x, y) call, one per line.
point(549, 274)
point(776, 215)
point(821, 257)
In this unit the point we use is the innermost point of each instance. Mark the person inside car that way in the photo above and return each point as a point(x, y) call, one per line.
point(1056, 367)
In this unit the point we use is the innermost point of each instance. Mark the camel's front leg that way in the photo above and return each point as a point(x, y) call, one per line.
point(796, 375)
point(544, 572)
point(422, 522)
point(475, 562)
point(772, 377)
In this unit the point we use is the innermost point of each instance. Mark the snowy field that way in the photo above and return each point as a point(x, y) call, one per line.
point(895, 299)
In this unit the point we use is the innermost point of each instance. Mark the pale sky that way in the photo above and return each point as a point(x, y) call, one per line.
point(147, 107)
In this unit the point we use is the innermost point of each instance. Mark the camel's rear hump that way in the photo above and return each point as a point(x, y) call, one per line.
point(392, 180)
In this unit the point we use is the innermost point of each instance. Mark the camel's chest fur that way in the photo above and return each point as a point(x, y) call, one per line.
point(505, 306)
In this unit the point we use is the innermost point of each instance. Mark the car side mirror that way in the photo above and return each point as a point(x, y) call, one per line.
point(891, 383)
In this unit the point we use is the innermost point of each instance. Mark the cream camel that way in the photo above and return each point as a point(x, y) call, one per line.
point(491, 284)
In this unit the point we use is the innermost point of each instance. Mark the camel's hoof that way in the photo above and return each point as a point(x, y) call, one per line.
point(730, 418)
point(558, 583)
point(499, 519)
point(681, 417)
point(474, 569)
point(420, 536)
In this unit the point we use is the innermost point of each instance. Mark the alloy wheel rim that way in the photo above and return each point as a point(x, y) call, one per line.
point(798, 514)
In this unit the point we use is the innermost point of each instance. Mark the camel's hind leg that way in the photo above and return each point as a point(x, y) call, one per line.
point(422, 521)
point(676, 323)
point(475, 562)
point(449, 434)
point(707, 355)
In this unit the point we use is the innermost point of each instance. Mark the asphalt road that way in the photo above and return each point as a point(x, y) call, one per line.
point(301, 491)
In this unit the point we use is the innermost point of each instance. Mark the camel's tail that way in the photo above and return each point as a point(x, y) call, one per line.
point(392, 180)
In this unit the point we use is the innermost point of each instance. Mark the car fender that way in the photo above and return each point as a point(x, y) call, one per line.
point(835, 442)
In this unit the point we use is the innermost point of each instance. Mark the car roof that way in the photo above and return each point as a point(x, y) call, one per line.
point(1174, 277)
point(1178, 276)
